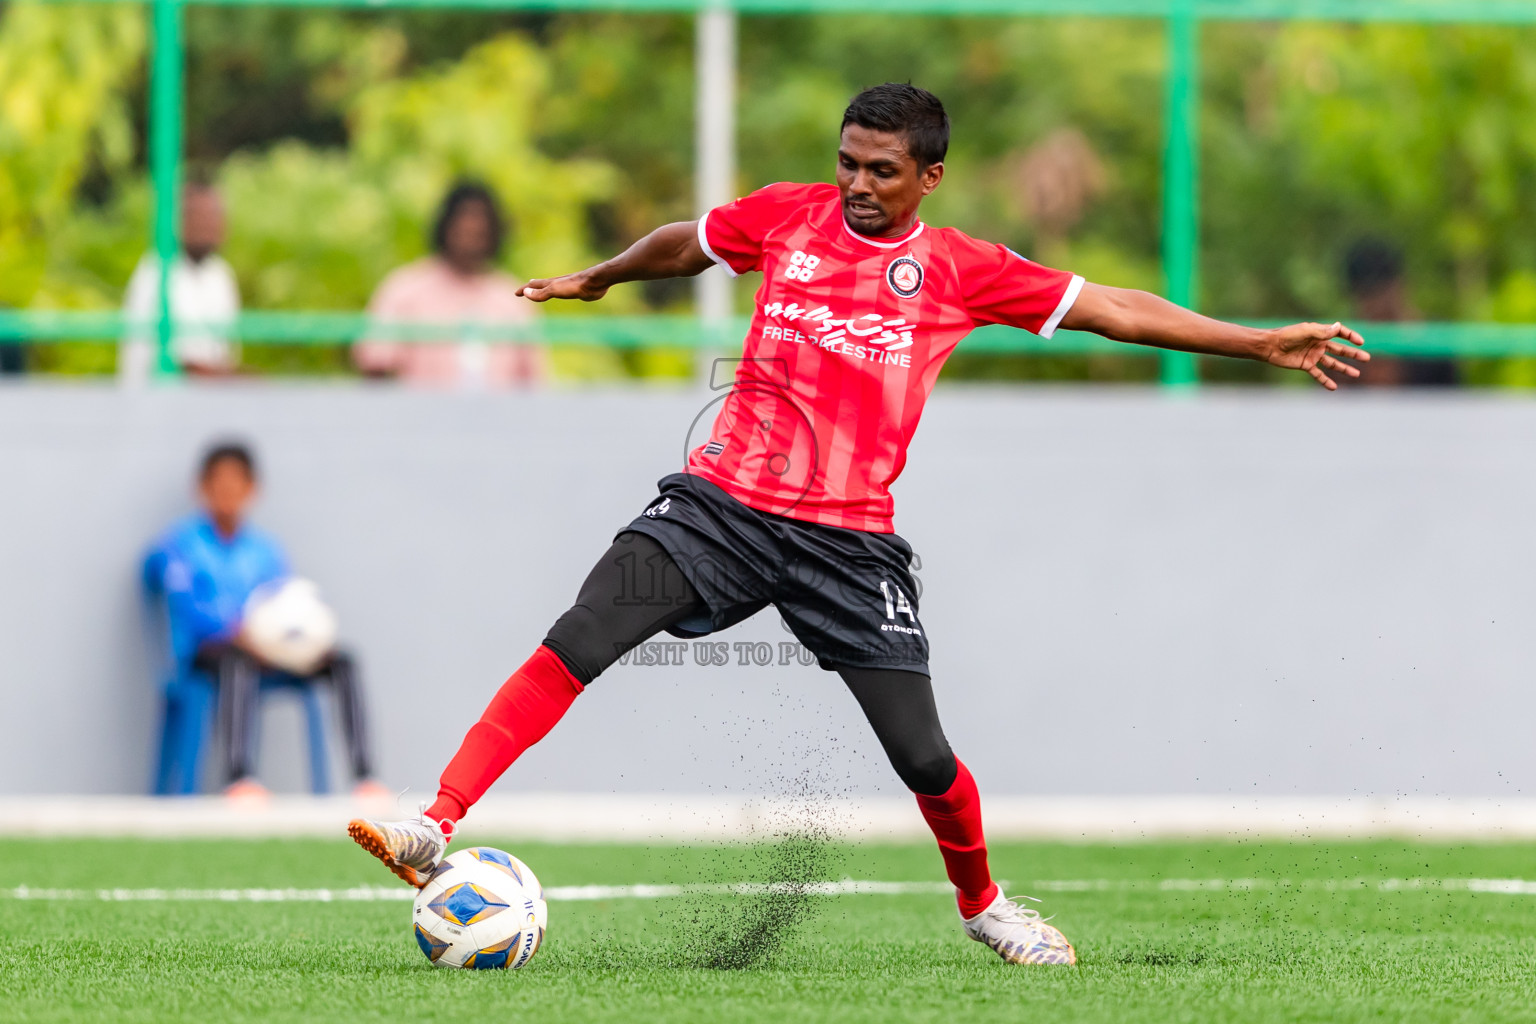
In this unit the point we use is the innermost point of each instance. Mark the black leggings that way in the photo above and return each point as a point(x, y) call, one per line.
point(636, 590)
point(239, 679)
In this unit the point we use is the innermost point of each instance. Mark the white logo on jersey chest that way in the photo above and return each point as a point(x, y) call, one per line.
point(802, 266)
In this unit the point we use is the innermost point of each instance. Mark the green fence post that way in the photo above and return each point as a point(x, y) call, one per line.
point(165, 128)
point(1181, 182)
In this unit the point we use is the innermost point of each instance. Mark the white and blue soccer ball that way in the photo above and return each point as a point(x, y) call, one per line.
point(288, 626)
point(483, 909)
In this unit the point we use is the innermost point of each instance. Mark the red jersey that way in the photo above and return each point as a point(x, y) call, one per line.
point(847, 339)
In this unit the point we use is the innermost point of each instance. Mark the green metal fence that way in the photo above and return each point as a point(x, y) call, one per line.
point(1180, 205)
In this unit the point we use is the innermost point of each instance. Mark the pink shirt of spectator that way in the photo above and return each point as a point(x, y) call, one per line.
point(430, 291)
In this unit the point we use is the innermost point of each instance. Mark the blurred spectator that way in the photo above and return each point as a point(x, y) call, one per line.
point(458, 284)
point(208, 565)
point(1058, 179)
point(1373, 272)
point(203, 292)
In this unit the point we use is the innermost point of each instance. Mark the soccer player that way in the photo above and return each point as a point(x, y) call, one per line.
point(788, 503)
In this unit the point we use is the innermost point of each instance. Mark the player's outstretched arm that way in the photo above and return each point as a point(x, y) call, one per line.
point(672, 250)
point(1142, 318)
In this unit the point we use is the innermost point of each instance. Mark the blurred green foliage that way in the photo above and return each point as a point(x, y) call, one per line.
point(334, 133)
point(66, 125)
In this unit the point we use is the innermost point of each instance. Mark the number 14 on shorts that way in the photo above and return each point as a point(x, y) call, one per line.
point(895, 601)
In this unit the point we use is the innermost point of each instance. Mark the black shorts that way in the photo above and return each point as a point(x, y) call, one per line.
point(848, 595)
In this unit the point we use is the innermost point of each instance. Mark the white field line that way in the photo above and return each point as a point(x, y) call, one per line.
point(847, 887)
point(1507, 886)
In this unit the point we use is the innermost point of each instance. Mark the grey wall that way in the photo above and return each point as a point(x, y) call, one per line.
point(1126, 592)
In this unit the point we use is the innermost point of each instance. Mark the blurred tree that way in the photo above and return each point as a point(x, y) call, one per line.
point(67, 75)
point(1419, 133)
point(622, 91)
point(64, 78)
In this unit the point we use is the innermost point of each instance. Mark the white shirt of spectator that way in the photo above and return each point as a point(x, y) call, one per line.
point(203, 294)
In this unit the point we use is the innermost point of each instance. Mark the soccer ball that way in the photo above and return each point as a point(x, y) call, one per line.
point(288, 625)
point(482, 909)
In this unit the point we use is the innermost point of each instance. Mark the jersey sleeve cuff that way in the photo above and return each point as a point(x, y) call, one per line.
point(704, 244)
point(1067, 298)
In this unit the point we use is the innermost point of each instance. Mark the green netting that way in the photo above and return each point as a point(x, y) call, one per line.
point(1417, 339)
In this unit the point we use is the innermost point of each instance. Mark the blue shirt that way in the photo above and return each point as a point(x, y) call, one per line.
point(207, 578)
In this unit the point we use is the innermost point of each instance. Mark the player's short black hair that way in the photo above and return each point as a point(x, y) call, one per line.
point(906, 110)
point(1371, 264)
point(234, 451)
point(469, 192)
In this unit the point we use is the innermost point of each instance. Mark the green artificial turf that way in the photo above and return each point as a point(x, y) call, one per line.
point(1308, 933)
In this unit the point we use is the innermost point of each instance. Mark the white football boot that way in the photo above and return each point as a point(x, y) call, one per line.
point(411, 849)
point(1019, 934)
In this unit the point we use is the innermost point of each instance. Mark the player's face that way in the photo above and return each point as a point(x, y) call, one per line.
point(882, 185)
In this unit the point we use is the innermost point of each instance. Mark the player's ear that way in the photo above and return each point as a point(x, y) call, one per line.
point(931, 176)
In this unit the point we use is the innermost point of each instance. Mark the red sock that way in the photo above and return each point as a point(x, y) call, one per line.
point(525, 708)
point(955, 817)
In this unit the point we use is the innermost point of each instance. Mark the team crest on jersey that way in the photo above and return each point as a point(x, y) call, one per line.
point(905, 276)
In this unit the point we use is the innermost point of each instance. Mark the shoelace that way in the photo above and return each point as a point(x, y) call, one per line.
point(446, 828)
point(1016, 914)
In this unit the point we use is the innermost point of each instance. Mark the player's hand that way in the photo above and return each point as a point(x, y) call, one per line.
point(570, 286)
point(1318, 349)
